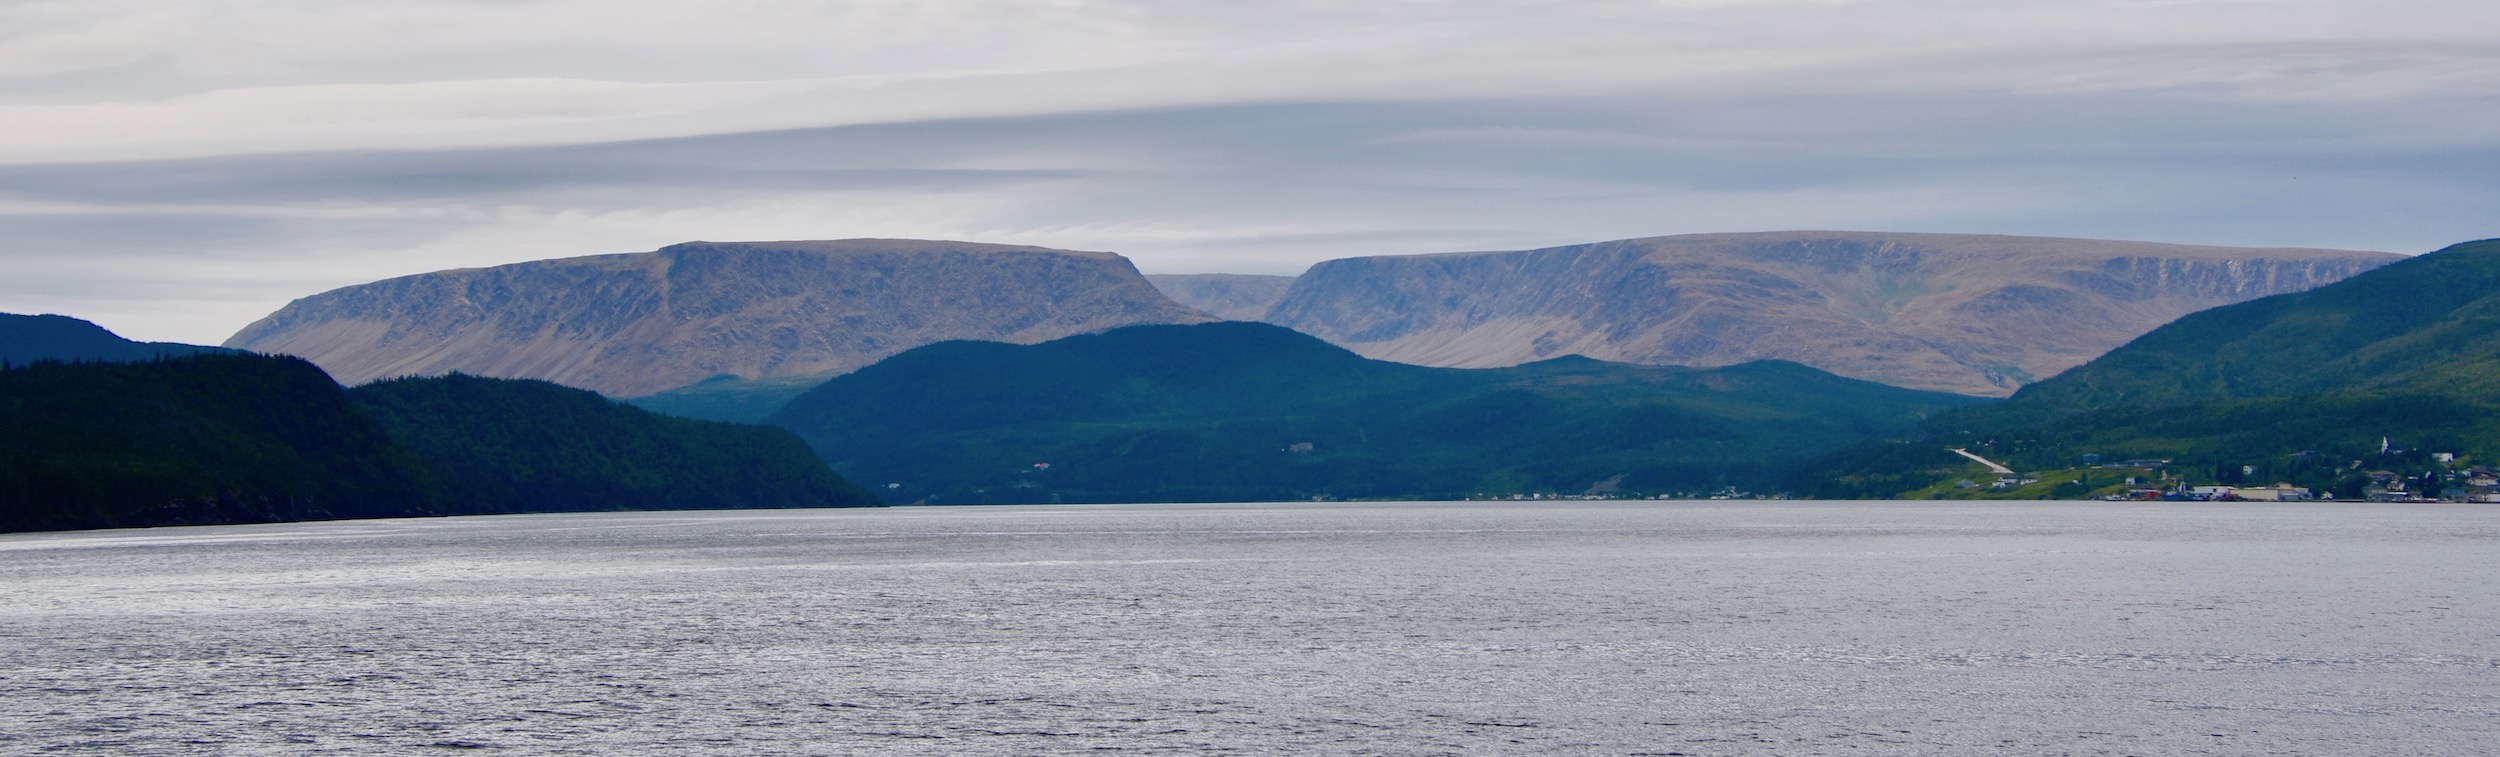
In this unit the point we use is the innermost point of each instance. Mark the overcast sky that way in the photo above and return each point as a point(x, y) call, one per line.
point(174, 171)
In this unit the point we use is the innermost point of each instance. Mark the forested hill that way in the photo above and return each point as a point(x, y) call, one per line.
point(1247, 411)
point(31, 338)
point(2291, 388)
point(533, 446)
point(2427, 324)
point(238, 438)
point(196, 440)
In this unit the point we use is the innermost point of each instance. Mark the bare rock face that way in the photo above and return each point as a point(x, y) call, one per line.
point(1230, 296)
point(1959, 313)
point(634, 324)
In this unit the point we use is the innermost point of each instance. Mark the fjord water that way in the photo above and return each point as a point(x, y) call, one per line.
point(1581, 628)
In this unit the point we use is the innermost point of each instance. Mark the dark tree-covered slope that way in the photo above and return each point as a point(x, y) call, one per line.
point(31, 338)
point(203, 439)
point(2408, 354)
point(530, 446)
point(240, 438)
point(1246, 411)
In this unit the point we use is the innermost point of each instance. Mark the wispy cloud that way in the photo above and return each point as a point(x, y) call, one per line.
point(172, 80)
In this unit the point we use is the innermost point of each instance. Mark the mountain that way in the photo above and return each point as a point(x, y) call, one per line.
point(1230, 296)
point(30, 338)
point(2294, 387)
point(1979, 315)
point(635, 324)
point(1248, 411)
point(508, 445)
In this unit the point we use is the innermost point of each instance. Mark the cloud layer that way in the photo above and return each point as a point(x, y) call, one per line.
point(176, 170)
point(118, 79)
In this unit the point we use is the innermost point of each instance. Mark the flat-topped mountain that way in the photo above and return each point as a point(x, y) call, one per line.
point(1972, 314)
point(1230, 296)
point(638, 323)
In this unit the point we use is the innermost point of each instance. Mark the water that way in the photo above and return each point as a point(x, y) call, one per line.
point(1598, 628)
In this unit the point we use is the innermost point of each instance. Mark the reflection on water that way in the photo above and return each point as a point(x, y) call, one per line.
point(1657, 628)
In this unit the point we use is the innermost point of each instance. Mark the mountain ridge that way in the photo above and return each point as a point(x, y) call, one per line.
point(632, 324)
point(1974, 314)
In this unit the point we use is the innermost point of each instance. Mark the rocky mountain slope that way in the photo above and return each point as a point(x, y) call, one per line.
point(1230, 296)
point(634, 324)
point(1972, 314)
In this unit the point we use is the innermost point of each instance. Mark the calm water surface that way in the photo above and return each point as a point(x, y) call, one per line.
point(1598, 628)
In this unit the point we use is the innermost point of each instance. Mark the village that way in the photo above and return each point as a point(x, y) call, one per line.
point(2444, 478)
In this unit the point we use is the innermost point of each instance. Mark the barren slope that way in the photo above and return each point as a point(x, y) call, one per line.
point(1230, 296)
point(634, 324)
point(1960, 313)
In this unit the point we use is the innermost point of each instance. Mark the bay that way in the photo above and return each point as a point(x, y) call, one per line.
point(1389, 628)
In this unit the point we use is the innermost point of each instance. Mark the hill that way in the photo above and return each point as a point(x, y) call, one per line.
point(637, 324)
point(531, 446)
point(1245, 411)
point(1972, 314)
point(196, 440)
point(2296, 387)
point(239, 438)
point(2429, 324)
point(30, 338)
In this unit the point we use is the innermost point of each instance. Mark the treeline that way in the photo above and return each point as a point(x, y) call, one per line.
point(238, 438)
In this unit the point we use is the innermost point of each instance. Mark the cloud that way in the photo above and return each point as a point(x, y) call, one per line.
point(1257, 188)
point(192, 79)
point(178, 169)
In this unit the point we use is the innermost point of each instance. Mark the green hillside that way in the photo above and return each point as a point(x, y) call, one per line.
point(1247, 411)
point(2428, 324)
point(530, 446)
point(2293, 388)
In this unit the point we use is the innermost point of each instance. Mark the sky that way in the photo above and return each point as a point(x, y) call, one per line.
point(175, 171)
